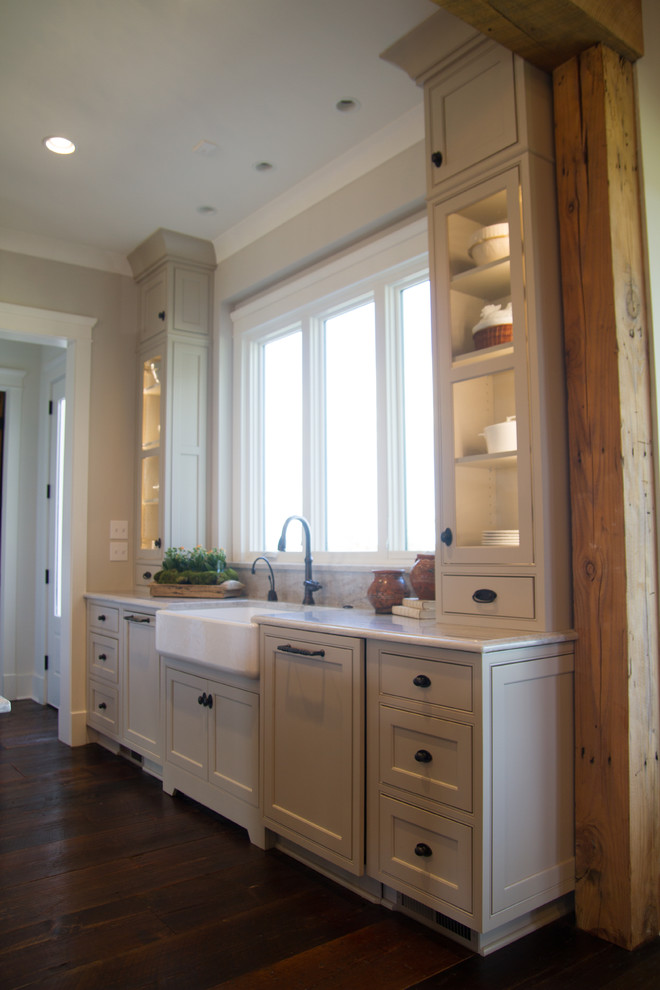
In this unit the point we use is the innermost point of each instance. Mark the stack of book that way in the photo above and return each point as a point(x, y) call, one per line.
point(415, 608)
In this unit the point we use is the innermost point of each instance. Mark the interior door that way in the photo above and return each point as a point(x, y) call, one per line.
point(54, 522)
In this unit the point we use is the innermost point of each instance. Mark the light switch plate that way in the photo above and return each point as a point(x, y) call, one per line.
point(118, 550)
point(118, 529)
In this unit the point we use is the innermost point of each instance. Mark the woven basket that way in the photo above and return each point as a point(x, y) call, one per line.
point(490, 336)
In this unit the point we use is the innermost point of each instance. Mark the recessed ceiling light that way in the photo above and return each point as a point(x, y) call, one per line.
point(347, 106)
point(60, 145)
point(264, 166)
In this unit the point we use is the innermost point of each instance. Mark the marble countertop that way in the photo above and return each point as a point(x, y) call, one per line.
point(354, 622)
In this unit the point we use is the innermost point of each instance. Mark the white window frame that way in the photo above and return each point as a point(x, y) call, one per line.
point(378, 271)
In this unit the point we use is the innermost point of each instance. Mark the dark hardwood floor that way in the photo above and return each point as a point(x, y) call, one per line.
point(109, 883)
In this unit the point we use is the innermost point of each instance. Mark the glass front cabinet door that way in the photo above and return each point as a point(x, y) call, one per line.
point(493, 437)
point(152, 369)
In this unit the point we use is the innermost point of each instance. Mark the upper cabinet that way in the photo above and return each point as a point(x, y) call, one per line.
point(174, 273)
point(481, 108)
point(503, 553)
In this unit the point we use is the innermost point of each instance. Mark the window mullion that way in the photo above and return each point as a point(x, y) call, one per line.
point(315, 474)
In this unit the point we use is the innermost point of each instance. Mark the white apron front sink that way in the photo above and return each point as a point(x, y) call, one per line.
point(223, 636)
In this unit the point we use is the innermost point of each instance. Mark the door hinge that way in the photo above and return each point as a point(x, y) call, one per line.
point(47, 576)
point(47, 491)
point(45, 663)
point(50, 407)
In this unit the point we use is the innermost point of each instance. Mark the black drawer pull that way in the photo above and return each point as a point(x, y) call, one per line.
point(484, 596)
point(202, 699)
point(421, 849)
point(423, 756)
point(102, 656)
point(422, 681)
point(436, 158)
point(447, 537)
point(103, 706)
point(209, 701)
point(137, 618)
point(101, 618)
point(297, 649)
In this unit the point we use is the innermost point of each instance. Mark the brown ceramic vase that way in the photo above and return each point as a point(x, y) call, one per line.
point(388, 588)
point(422, 576)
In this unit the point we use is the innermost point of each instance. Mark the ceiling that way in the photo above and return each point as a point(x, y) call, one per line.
point(138, 84)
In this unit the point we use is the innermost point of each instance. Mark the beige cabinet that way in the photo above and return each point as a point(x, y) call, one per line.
point(502, 550)
point(470, 782)
point(103, 668)
point(140, 709)
point(483, 105)
point(175, 297)
point(312, 749)
point(211, 732)
point(172, 449)
point(174, 273)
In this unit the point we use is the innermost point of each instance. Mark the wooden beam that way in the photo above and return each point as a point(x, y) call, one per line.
point(548, 32)
point(612, 499)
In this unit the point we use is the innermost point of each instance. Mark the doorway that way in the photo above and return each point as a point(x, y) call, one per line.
point(74, 333)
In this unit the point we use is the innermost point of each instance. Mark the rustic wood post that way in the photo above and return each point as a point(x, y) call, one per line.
point(612, 500)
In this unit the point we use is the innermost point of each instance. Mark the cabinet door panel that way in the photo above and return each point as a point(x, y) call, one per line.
point(533, 846)
point(313, 747)
point(186, 722)
point(430, 757)
point(141, 686)
point(233, 741)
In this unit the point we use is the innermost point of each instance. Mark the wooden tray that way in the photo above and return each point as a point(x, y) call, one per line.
point(193, 591)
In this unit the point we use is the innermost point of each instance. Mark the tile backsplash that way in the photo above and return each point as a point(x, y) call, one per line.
point(341, 586)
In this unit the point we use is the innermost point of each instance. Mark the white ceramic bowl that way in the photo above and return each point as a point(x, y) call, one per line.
point(489, 244)
point(501, 437)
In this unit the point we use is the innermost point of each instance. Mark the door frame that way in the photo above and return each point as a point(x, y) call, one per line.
point(73, 332)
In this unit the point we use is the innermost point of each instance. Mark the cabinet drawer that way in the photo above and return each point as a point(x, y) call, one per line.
point(514, 596)
point(103, 617)
point(428, 852)
point(428, 756)
point(103, 659)
point(103, 707)
point(438, 682)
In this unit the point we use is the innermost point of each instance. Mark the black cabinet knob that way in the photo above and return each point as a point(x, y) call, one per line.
point(421, 849)
point(436, 158)
point(423, 756)
point(209, 701)
point(146, 576)
point(101, 618)
point(202, 699)
point(103, 706)
point(161, 315)
point(484, 596)
point(447, 537)
point(157, 543)
point(102, 656)
point(422, 681)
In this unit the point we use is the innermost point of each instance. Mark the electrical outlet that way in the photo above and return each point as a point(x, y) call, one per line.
point(118, 529)
point(118, 550)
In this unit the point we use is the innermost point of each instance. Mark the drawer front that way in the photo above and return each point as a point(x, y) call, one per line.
point(103, 658)
point(103, 617)
point(427, 756)
point(103, 708)
point(428, 852)
point(437, 682)
point(514, 596)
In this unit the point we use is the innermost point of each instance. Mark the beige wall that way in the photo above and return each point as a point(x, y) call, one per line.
point(112, 300)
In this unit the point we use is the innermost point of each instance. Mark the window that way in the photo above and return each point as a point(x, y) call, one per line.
point(334, 404)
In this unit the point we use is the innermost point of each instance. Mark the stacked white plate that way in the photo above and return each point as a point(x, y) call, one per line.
point(500, 538)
